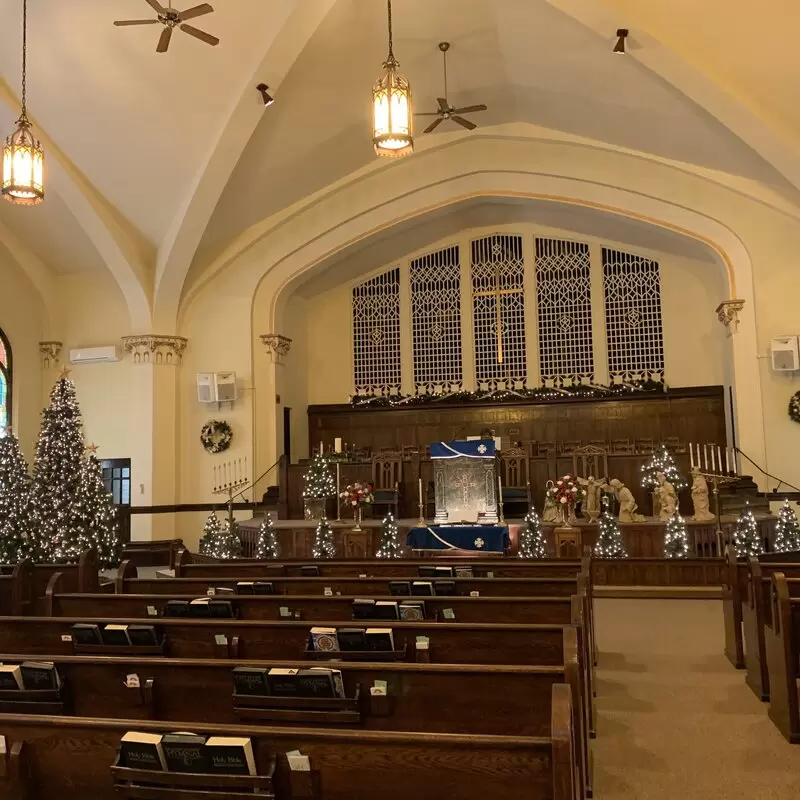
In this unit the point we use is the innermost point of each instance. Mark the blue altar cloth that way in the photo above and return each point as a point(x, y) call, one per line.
point(477, 448)
point(484, 538)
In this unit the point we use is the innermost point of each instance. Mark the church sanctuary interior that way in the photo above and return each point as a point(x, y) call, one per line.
point(400, 399)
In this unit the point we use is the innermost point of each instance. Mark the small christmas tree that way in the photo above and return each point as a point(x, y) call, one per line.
point(229, 545)
point(609, 537)
point(787, 531)
point(319, 482)
point(676, 541)
point(662, 461)
point(324, 546)
point(531, 537)
point(211, 533)
point(15, 489)
point(267, 545)
point(746, 537)
point(389, 546)
point(97, 515)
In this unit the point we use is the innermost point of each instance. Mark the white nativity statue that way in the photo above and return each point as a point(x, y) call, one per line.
point(627, 504)
point(591, 500)
point(702, 513)
point(667, 496)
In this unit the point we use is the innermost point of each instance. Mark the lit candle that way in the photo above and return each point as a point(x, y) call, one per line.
point(719, 458)
point(699, 465)
point(320, 448)
point(691, 456)
point(705, 456)
point(337, 445)
point(727, 460)
point(713, 460)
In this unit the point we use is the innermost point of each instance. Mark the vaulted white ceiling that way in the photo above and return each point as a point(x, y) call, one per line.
point(156, 163)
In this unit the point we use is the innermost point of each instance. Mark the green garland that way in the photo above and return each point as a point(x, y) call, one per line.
point(794, 407)
point(216, 436)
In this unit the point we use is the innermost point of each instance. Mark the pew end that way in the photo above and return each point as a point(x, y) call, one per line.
point(732, 609)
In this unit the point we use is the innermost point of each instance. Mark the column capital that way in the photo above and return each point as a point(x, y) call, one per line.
point(154, 348)
point(277, 346)
point(728, 314)
point(50, 353)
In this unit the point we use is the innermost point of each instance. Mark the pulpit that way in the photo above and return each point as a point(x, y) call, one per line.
point(465, 481)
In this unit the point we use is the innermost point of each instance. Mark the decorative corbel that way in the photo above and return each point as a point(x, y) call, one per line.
point(50, 353)
point(277, 346)
point(153, 348)
point(728, 314)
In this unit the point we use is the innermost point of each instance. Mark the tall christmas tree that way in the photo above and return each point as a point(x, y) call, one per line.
point(267, 545)
point(609, 537)
point(746, 536)
point(787, 531)
point(531, 537)
point(676, 540)
point(662, 461)
point(319, 481)
point(209, 542)
point(389, 545)
point(324, 546)
point(56, 524)
point(15, 507)
point(99, 526)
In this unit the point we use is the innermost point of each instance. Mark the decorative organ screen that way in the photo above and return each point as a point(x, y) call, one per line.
point(376, 335)
point(563, 288)
point(436, 322)
point(498, 306)
point(633, 317)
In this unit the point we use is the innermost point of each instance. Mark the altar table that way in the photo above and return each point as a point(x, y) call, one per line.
point(483, 538)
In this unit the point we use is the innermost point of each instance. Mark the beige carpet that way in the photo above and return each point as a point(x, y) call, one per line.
point(675, 719)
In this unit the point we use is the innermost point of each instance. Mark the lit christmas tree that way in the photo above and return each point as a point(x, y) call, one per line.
point(319, 481)
point(324, 546)
point(99, 526)
point(389, 546)
point(228, 544)
point(209, 543)
point(676, 540)
point(531, 537)
point(746, 536)
point(787, 531)
point(15, 488)
point(609, 536)
point(267, 545)
point(56, 524)
point(662, 461)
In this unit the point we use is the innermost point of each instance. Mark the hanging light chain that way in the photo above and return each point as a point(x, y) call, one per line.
point(24, 114)
point(391, 52)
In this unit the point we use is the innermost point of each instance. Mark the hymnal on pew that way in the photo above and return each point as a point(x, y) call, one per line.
point(230, 755)
point(250, 680)
point(199, 607)
point(423, 588)
point(40, 675)
point(324, 639)
point(142, 635)
point(351, 639)
point(220, 609)
point(444, 588)
point(116, 635)
point(246, 587)
point(363, 608)
point(185, 752)
point(11, 677)
point(281, 682)
point(401, 588)
point(142, 751)
point(176, 608)
point(309, 572)
point(386, 609)
point(379, 639)
point(86, 633)
point(412, 612)
point(263, 587)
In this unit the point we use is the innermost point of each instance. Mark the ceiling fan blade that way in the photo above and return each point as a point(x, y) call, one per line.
point(470, 109)
point(427, 113)
point(122, 22)
point(442, 101)
point(197, 11)
point(465, 122)
point(433, 126)
point(156, 6)
point(201, 35)
point(163, 40)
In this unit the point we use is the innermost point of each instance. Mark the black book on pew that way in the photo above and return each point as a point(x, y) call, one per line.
point(282, 682)
point(400, 588)
point(386, 609)
point(142, 751)
point(142, 635)
point(176, 608)
point(230, 755)
point(199, 607)
point(86, 633)
point(464, 572)
point(426, 572)
point(363, 608)
point(379, 639)
point(263, 587)
point(315, 683)
point(412, 611)
point(221, 609)
point(444, 588)
point(422, 588)
point(185, 752)
point(352, 639)
point(40, 675)
point(250, 680)
point(11, 677)
point(116, 635)
point(246, 587)
point(309, 572)
point(226, 590)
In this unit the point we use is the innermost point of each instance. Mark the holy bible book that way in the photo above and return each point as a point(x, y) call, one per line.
point(230, 755)
point(142, 751)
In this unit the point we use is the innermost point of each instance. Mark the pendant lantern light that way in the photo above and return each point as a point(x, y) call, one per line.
point(391, 107)
point(23, 157)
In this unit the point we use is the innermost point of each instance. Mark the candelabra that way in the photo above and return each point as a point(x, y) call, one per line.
point(717, 480)
point(230, 479)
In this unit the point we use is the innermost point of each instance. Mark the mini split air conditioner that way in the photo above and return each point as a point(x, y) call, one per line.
point(94, 355)
point(785, 354)
point(216, 387)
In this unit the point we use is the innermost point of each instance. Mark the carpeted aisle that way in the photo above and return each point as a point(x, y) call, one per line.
point(675, 719)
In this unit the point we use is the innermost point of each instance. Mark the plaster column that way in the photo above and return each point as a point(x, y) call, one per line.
point(157, 361)
point(268, 422)
point(599, 345)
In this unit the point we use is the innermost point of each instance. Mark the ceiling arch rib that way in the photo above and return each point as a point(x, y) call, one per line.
point(601, 17)
point(291, 31)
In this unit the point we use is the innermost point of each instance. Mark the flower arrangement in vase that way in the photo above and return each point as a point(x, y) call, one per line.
point(566, 493)
point(356, 495)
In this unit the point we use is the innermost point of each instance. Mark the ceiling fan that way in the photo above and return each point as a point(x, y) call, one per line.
point(446, 111)
point(170, 18)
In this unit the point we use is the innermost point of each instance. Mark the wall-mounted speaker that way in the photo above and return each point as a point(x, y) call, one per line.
point(785, 354)
point(205, 387)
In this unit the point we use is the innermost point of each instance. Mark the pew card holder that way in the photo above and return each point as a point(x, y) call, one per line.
point(138, 784)
point(318, 710)
point(34, 701)
point(355, 655)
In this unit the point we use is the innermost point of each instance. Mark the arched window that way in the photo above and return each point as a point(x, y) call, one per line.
point(5, 383)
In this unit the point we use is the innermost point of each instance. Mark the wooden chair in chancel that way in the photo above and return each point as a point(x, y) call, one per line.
point(387, 477)
point(515, 477)
point(590, 460)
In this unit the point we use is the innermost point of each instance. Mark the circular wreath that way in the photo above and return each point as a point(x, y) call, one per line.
point(794, 407)
point(216, 436)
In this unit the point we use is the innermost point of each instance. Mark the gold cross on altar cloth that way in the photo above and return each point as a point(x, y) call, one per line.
point(464, 483)
point(497, 293)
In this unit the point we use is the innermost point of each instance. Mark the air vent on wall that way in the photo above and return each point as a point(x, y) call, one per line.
point(94, 355)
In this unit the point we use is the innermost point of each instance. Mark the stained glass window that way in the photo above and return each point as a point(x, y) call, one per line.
point(5, 383)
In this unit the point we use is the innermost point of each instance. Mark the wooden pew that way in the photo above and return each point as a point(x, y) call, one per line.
point(756, 612)
point(153, 553)
point(70, 759)
point(187, 567)
point(16, 586)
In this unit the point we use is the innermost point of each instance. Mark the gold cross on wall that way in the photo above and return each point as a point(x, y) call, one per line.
point(497, 293)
